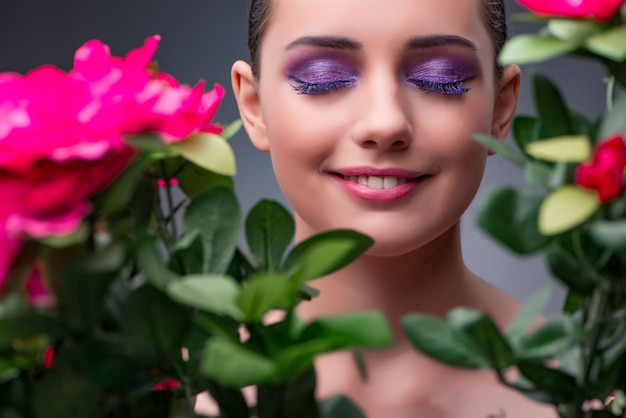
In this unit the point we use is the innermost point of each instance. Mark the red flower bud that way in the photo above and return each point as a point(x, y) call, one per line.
point(605, 173)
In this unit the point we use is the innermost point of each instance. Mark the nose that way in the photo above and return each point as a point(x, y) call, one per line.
point(383, 117)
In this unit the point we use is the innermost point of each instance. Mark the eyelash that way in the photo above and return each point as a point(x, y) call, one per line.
point(303, 87)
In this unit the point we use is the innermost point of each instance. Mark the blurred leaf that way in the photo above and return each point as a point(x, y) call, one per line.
point(565, 208)
point(561, 385)
point(440, 341)
point(538, 174)
point(614, 120)
point(569, 271)
point(530, 49)
point(293, 398)
point(524, 130)
point(153, 326)
point(609, 44)
point(501, 149)
point(121, 191)
point(231, 129)
point(63, 393)
point(510, 216)
point(208, 151)
point(215, 213)
point(296, 358)
point(573, 302)
point(231, 402)
point(572, 29)
point(269, 231)
point(531, 311)
point(551, 109)
point(550, 339)
point(325, 253)
point(27, 325)
point(484, 333)
point(150, 262)
point(339, 406)
point(361, 329)
point(233, 365)
point(193, 180)
point(574, 149)
point(263, 292)
point(212, 293)
point(609, 234)
point(84, 286)
point(187, 255)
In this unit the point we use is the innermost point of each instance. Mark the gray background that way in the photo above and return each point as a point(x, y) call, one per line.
point(201, 38)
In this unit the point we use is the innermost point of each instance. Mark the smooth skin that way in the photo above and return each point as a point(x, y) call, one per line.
point(383, 122)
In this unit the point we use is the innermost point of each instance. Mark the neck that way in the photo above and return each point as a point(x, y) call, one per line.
point(432, 279)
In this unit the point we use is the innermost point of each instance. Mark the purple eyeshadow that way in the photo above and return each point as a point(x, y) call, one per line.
point(441, 70)
point(321, 74)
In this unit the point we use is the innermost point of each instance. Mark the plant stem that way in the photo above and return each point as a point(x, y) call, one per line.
point(170, 200)
point(610, 92)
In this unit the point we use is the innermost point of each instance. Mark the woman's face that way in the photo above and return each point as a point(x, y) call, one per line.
point(368, 109)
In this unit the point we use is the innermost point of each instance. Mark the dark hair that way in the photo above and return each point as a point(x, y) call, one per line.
point(492, 11)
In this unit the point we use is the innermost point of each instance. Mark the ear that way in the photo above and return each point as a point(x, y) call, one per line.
point(505, 104)
point(246, 91)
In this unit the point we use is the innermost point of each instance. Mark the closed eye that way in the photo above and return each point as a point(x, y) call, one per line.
point(452, 88)
point(304, 87)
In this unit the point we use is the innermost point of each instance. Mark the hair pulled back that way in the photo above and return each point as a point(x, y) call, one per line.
point(493, 14)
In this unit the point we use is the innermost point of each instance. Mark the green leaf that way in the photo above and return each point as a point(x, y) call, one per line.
point(231, 401)
point(551, 109)
point(269, 231)
point(292, 398)
point(550, 339)
point(325, 253)
point(212, 293)
point(538, 174)
point(524, 130)
point(150, 262)
point(609, 44)
point(216, 214)
point(510, 216)
point(188, 256)
point(530, 49)
point(208, 151)
point(561, 385)
point(614, 120)
point(609, 234)
point(530, 311)
point(572, 29)
point(339, 406)
point(263, 292)
point(233, 365)
point(501, 148)
point(193, 180)
point(153, 326)
point(440, 341)
point(565, 208)
point(485, 335)
point(27, 325)
point(62, 393)
point(573, 148)
point(361, 329)
point(231, 129)
point(568, 270)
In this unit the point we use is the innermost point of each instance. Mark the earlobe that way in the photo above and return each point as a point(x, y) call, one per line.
point(246, 91)
point(505, 104)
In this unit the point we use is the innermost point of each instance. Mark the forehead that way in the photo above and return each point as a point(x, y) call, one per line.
point(373, 22)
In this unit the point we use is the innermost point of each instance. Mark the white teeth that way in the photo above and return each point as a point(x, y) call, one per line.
point(378, 183)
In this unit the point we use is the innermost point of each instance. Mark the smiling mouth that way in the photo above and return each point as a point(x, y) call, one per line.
point(378, 182)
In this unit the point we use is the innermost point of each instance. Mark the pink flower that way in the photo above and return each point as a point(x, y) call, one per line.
point(48, 357)
point(599, 9)
point(37, 291)
point(51, 199)
point(40, 118)
point(605, 173)
point(166, 384)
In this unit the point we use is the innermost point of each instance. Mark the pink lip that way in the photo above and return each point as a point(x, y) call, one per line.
point(379, 195)
point(378, 172)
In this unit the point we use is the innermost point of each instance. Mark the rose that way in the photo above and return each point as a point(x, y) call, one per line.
point(605, 173)
point(51, 199)
point(599, 9)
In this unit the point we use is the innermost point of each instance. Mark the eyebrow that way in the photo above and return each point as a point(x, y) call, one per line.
point(418, 42)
